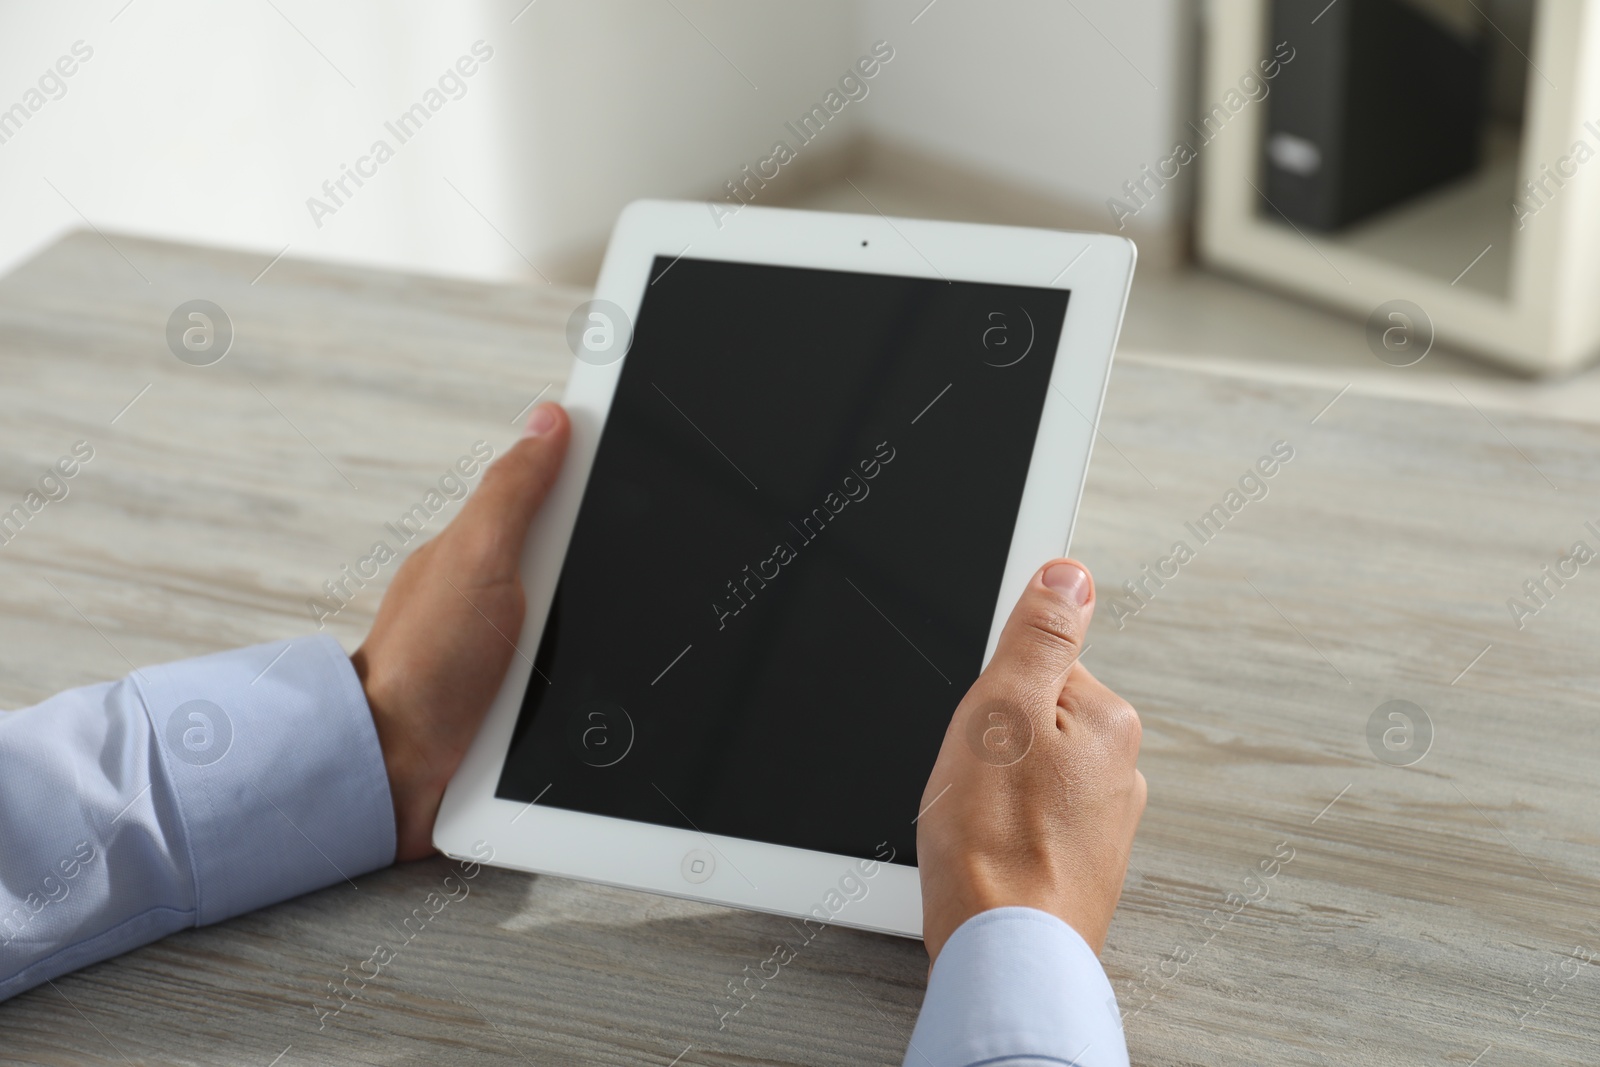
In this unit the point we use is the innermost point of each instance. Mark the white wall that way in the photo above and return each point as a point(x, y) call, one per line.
point(624, 98)
point(214, 123)
point(1069, 99)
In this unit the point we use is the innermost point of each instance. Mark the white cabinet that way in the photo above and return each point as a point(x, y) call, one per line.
point(1502, 268)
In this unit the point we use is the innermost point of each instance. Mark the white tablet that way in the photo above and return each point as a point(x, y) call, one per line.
point(815, 459)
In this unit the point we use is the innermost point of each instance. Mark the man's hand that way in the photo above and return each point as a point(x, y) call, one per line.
point(447, 629)
point(1034, 798)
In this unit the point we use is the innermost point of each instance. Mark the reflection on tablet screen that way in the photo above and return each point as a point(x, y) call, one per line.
point(782, 575)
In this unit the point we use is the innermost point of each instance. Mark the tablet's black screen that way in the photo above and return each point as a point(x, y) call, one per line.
point(780, 581)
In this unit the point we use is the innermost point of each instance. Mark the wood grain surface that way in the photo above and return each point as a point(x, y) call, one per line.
point(1292, 897)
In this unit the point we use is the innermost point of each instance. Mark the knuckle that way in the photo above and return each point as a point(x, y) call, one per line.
point(1046, 646)
point(494, 476)
point(476, 549)
point(415, 562)
point(417, 558)
point(1123, 724)
point(1055, 627)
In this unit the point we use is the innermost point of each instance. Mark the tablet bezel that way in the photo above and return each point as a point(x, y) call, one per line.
point(1098, 269)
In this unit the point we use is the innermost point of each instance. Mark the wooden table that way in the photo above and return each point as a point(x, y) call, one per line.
point(1438, 913)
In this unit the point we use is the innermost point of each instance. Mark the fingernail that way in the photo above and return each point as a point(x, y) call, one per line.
point(542, 421)
point(1069, 580)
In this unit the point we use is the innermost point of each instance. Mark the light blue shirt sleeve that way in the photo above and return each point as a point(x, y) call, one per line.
point(1017, 987)
point(182, 795)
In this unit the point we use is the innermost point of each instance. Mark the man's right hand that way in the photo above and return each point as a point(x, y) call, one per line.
point(1035, 797)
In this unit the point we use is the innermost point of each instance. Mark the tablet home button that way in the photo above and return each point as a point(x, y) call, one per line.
point(698, 865)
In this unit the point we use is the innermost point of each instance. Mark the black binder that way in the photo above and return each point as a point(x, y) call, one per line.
point(1382, 102)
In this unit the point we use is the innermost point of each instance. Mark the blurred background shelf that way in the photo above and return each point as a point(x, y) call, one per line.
point(1436, 235)
point(1509, 284)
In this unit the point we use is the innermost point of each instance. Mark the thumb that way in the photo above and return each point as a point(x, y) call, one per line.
point(1044, 635)
point(493, 524)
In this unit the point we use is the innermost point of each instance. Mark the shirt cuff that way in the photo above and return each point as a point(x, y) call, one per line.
point(1017, 985)
point(277, 771)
